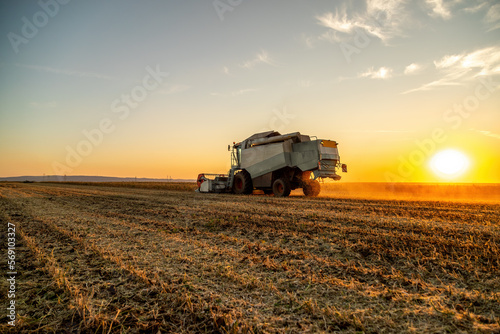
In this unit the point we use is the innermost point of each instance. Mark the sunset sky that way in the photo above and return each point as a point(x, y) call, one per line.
point(159, 88)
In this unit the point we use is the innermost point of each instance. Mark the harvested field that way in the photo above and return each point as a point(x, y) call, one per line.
point(110, 259)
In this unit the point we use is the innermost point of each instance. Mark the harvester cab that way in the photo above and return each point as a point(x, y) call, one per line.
point(277, 164)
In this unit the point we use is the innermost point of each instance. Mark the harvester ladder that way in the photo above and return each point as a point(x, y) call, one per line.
point(230, 178)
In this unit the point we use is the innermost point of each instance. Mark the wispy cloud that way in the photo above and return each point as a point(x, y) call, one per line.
point(243, 91)
point(439, 9)
point(382, 19)
point(488, 133)
point(492, 12)
point(261, 58)
point(446, 81)
point(225, 70)
point(457, 69)
point(413, 68)
point(486, 61)
point(173, 89)
point(493, 17)
point(387, 19)
point(236, 92)
point(343, 27)
point(476, 8)
point(381, 73)
point(447, 61)
point(388, 8)
point(66, 71)
point(338, 22)
point(309, 41)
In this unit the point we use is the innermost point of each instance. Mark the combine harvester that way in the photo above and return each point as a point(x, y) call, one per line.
point(276, 164)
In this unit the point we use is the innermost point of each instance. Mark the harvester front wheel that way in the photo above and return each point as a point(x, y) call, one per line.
point(311, 188)
point(242, 183)
point(281, 188)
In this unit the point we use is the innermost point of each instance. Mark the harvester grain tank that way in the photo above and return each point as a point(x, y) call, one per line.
point(278, 164)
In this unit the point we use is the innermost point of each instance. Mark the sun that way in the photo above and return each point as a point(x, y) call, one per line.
point(449, 163)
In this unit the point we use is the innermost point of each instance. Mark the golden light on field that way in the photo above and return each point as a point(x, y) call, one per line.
point(449, 163)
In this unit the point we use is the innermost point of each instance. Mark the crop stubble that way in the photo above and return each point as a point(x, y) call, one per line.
point(132, 259)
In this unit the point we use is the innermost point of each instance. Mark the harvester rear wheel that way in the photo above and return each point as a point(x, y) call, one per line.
point(311, 188)
point(281, 188)
point(242, 183)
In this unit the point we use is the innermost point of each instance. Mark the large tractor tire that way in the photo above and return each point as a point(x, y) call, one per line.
point(281, 188)
point(242, 183)
point(311, 188)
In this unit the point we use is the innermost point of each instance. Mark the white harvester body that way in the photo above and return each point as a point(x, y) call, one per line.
point(276, 164)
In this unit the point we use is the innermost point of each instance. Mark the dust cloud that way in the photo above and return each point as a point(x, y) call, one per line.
point(456, 192)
